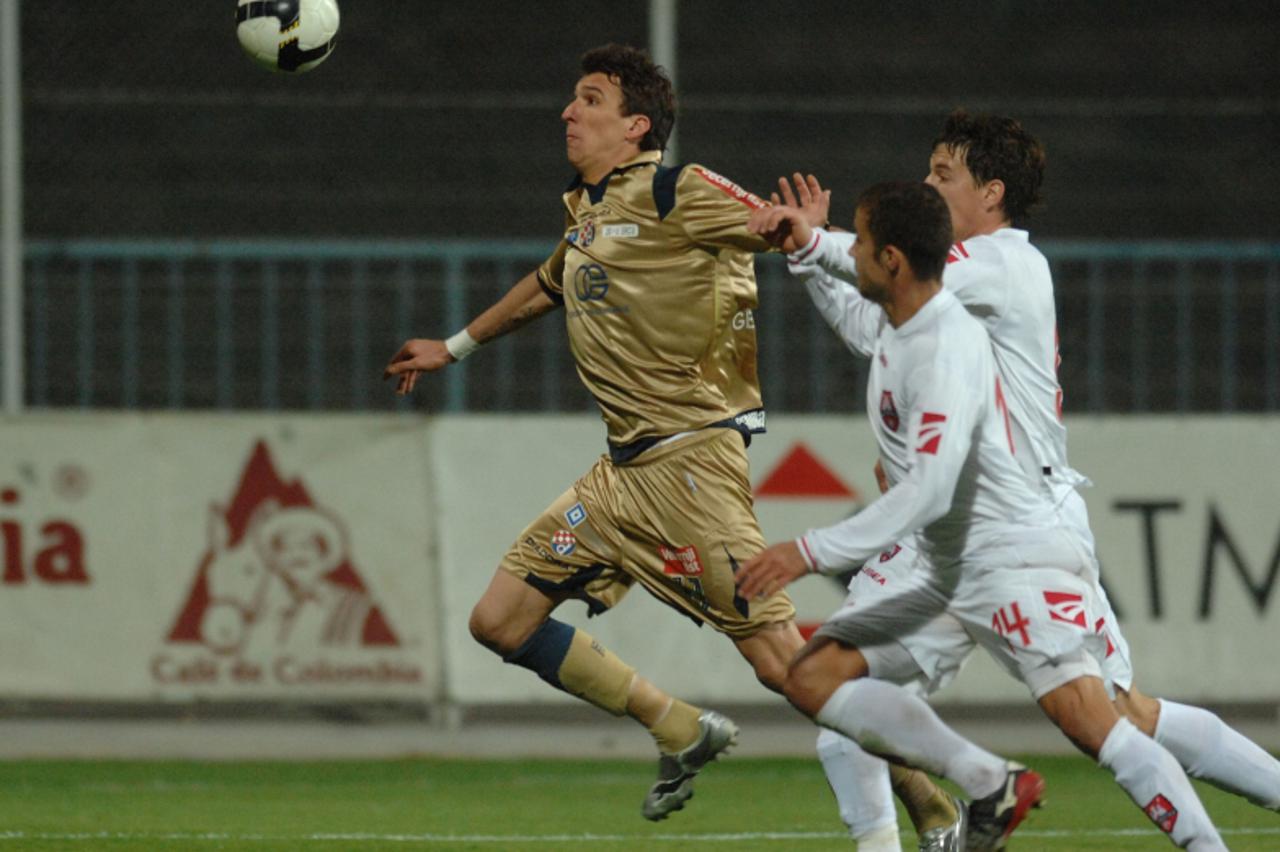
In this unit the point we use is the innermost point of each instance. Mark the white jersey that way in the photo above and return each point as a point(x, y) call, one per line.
point(1005, 283)
point(934, 402)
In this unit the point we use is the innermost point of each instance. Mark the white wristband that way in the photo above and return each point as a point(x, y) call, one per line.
point(461, 345)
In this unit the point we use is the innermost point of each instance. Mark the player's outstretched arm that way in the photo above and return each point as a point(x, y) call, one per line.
point(524, 302)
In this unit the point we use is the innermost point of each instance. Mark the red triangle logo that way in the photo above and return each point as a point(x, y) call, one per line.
point(323, 546)
point(802, 474)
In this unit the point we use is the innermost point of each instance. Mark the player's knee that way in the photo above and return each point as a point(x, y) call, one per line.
point(806, 687)
point(492, 629)
point(772, 673)
point(1140, 709)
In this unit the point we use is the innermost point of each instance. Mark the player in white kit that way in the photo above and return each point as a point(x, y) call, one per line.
point(994, 554)
point(989, 170)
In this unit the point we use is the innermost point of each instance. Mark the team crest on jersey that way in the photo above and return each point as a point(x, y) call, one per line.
point(563, 542)
point(1068, 607)
point(575, 515)
point(888, 413)
point(583, 235)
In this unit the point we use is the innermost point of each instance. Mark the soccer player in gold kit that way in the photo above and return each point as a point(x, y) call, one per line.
point(655, 274)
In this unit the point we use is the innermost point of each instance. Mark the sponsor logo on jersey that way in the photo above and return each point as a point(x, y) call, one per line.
point(563, 542)
point(874, 574)
point(729, 188)
point(680, 561)
point(583, 235)
point(575, 515)
point(630, 229)
point(590, 282)
point(1068, 607)
point(888, 413)
point(1162, 813)
point(930, 432)
point(958, 253)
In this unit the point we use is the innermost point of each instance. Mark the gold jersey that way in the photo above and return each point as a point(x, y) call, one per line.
point(657, 279)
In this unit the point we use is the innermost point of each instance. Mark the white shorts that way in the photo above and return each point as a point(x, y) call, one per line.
point(1117, 668)
point(1046, 621)
point(899, 622)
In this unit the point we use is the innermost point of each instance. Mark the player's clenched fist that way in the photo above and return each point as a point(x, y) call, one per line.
point(416, 356)
point(770, 570)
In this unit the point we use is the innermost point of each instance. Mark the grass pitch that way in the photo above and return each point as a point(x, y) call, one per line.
point(743, 804)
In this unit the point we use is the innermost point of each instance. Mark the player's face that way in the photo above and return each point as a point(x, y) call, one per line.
point(873, 277)
point(966, 199)
point(596, 131)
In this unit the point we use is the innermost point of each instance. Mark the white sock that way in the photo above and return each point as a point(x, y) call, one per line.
point(861, 784)
point(1212, 751)
point(883, 839)
point(1155, 781)
point(884, 718)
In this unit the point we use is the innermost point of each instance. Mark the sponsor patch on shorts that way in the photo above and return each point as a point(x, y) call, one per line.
point(631, 229)
point(680, 561)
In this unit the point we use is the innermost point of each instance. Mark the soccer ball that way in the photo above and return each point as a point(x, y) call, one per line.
point(287, 35)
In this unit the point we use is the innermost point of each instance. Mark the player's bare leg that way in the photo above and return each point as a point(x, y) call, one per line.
point(513, 619)
point(935, 815)
point(1147, 772)
point(1207, 747)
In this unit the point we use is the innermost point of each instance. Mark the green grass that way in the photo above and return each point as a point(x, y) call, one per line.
point(492, 805)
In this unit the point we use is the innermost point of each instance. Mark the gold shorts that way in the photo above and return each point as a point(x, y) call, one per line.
point(678, 520)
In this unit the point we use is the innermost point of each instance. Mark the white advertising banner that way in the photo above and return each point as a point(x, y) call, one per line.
point(174, 557)
point(180, 557)
point(1186, 511)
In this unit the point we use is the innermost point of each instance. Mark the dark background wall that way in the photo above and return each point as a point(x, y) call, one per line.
point(441, 118)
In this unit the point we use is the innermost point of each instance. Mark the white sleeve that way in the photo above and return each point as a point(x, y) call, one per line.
point(977, 275)
point(828, 251)
point(943, 417)
point(856, 320)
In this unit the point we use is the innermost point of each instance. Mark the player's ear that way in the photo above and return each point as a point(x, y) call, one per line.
point(993, 193)
point(637, 127)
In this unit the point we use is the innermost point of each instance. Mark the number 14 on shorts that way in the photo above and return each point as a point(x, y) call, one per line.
point(1008, 621)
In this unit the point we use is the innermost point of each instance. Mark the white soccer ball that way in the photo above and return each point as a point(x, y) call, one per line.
point(287, 35)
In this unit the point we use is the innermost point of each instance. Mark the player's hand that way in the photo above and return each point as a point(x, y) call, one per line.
point(770, 570)
point(783, 226)
point(416, 356)
point(809, 198)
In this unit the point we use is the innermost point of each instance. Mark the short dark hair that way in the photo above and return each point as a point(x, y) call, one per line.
point(998, 148)
point(912, 217)
point(646, 88)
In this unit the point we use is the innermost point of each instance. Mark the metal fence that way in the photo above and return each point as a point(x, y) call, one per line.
point(274, 325)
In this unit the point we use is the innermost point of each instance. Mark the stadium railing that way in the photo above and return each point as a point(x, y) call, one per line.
point(300, 325)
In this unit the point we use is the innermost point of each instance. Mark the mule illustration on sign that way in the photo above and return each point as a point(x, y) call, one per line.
point(277, 571)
